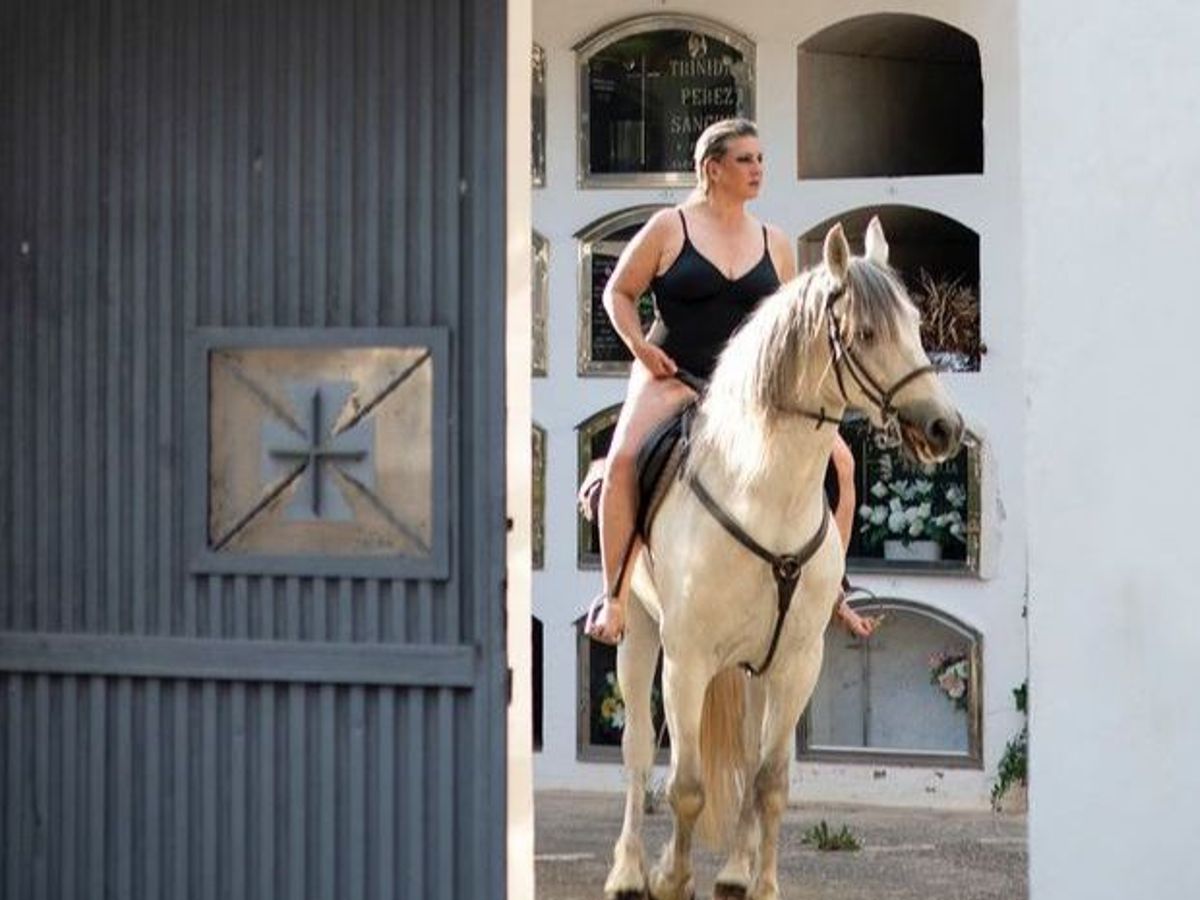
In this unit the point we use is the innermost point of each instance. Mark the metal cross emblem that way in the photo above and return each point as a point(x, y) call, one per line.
point(321, 451)
point(316, 452)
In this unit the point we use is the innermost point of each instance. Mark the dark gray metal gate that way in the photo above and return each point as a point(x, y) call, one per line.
point(172, 172)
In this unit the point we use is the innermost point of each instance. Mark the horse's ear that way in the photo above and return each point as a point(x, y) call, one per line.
point(837, 252)
point(877, 245)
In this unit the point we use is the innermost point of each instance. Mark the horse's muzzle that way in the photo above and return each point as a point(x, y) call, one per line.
point(932, 435)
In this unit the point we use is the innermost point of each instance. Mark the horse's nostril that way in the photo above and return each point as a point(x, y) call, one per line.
point(944, 435)
point(939, 432)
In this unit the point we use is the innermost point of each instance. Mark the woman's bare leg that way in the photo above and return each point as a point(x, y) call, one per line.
point(648, 401)
point(842, 459)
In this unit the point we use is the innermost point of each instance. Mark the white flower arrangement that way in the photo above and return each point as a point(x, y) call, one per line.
point(911, 506)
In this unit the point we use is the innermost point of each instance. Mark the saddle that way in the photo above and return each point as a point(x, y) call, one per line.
point(659, 461)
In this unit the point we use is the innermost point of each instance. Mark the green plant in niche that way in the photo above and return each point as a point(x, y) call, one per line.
point(824, 838)
point(1013, 768)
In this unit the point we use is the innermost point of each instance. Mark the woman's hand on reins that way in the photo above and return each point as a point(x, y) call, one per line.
point(655, 360)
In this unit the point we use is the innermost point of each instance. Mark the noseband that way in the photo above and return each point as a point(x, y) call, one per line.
point(888, 434)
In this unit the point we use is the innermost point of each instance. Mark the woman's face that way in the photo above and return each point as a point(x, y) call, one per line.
point(739, 173)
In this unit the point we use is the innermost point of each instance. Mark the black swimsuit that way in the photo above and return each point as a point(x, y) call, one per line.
point(698, 308)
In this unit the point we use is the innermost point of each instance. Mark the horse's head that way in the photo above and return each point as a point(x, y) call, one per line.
point(878, 363)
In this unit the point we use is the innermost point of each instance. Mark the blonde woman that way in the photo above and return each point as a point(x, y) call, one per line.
point(709, 263)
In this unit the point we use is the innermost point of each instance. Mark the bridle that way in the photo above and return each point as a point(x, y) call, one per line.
point(844, 361)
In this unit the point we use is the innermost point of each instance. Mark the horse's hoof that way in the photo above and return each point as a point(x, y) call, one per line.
point(730, 892)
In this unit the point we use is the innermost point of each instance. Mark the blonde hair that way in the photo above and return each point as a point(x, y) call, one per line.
point(713, 143)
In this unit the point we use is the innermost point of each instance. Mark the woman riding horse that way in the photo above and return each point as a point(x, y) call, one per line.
point(742, 569)
point(709, 263)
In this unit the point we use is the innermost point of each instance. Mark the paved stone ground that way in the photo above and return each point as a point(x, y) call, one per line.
point(907, 854)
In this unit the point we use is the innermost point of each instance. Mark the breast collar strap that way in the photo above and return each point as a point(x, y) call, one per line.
point(786, 568)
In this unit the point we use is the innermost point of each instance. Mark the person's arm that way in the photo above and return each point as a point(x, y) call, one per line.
point(630, 278)
point(782, 253)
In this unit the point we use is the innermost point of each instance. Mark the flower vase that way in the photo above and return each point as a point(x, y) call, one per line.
point(913, 551)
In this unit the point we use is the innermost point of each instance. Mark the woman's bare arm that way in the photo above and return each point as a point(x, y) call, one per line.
point(630, 279)
point(782, 253)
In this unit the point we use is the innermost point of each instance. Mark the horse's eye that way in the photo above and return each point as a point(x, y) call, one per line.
point(866, 335)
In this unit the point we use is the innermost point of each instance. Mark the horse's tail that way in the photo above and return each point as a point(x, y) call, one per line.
point(722, 751)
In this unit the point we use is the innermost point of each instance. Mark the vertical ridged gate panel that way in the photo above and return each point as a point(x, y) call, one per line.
point(173, 165)
point(289, 792)
point(184, 165)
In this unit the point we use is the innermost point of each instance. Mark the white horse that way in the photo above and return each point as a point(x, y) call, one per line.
point(842, 335)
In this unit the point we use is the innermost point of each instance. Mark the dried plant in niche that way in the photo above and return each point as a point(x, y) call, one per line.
point(949, 322)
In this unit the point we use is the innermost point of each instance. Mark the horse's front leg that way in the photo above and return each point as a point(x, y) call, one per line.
point(684, 687)
point(737, 875)
point(788, 690)
point(636, 659)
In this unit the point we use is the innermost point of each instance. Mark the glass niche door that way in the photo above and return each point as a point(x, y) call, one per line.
point(648, 87)
point(908, 694)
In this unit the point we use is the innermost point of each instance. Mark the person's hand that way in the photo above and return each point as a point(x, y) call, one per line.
point(654, 359)
point(859, 626)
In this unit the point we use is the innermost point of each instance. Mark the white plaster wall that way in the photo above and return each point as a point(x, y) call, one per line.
point(991, 399)
point(519, 871)
point(1110, 152)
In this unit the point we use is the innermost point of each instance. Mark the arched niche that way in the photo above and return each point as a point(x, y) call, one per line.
point(647, 87)
point(539, 287)
point(600, 350)
point(538, 680)
point(938, 257)
point(889, 94)
point(910, 694)
point(595, 435)
point(538, 496)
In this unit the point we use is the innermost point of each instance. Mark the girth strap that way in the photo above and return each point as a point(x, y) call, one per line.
point(786, 568)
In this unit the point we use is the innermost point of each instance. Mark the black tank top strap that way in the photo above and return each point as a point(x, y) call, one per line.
point(766, 244)
point(683, 219)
